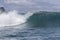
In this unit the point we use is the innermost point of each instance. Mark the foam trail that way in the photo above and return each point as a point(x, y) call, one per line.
point(13, 18)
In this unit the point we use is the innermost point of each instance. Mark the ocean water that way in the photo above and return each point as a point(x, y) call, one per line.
point(36, 26)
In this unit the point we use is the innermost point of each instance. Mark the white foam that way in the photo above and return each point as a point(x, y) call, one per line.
point(13, 18)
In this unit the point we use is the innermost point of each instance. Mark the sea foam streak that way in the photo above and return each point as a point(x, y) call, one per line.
point(13, 18)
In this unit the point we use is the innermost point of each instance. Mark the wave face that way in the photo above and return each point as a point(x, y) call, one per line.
point(45, 19)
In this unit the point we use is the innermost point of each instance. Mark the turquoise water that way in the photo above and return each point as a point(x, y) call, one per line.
point(40, 26)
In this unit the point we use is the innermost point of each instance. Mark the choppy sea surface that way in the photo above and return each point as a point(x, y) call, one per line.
point(40, 26)
point(30, 34)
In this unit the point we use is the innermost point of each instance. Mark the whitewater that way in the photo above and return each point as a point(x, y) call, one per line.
point(12, 18)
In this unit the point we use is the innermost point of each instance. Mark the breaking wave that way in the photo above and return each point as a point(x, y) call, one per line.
point(37, 19)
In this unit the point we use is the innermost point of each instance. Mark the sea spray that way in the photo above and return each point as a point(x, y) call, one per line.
point(13, 18)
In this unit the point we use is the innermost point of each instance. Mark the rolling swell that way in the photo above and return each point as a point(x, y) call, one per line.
point(45, 19)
